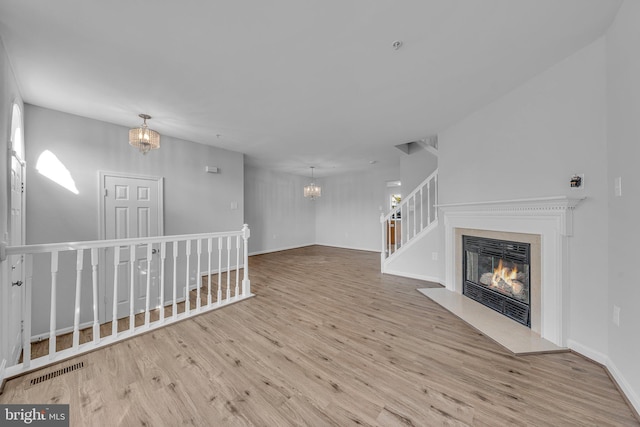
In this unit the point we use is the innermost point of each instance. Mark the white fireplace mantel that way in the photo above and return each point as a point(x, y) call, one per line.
point(551, 218)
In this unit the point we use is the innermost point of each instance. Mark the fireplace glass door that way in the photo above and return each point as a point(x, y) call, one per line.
point(496, 274)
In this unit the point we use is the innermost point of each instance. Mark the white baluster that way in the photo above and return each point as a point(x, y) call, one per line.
point(421, 210)
point(198, 276)
point(415, 212)
point(397, 237)
point(382, 252)
point(388, 232)
point(147, 300)
point(209, 250)
point(76, 310)
point(237, 266)
point(52, 317)
point(94, 279)
point(219, 270)
point(132, 281)
point(174, 306)
point(246, 283)
point(228, 266)
point(114, 308)
point(435, 192)
point(163, 256)
point(187, 302)
point(428, 202)
point(405, 219)
point(26, 333)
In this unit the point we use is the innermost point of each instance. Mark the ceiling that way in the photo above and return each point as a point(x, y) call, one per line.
point(290, 83)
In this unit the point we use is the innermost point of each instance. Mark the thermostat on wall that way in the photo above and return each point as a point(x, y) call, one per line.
point(577, 182)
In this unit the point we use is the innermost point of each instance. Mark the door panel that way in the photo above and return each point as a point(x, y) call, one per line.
point(16, 262)
point(132, 209)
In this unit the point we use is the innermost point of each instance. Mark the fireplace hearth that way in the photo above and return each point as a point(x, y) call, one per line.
point(496, 273)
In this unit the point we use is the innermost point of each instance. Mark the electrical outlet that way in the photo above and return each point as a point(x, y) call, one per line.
point(434, 256)
point(616, 315)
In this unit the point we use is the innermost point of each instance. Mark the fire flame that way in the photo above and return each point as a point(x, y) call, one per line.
point(508, 275)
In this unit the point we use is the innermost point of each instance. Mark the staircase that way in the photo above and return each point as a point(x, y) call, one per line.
point(415, 217)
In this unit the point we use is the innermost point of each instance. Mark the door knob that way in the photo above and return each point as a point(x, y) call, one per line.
point(18, 283)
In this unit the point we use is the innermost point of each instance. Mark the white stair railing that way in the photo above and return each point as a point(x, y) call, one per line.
point(46, 261)
point(415, 213)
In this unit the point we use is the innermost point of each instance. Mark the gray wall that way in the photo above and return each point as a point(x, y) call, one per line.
point(623, 82)
point(348, 213)
point(415, 168)
point(276, 210)
point(194, 201)
point(528, 144)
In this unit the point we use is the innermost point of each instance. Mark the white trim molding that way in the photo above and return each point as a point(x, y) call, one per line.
point(549, 217)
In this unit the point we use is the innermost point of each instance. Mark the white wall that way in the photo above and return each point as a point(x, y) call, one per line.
point(348, 213)
point(417, 260)
point(623, 80)
point(528, 144)
point(416, 167)
point(276, 210)
point(8, 95)
point(194, 201)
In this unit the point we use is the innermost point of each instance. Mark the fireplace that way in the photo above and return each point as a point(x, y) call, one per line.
point(497, 274)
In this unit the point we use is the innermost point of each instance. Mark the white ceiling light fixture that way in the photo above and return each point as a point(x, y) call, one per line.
point(312, 191)
point(143, 138)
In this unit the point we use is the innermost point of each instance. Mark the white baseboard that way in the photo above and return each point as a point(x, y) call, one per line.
point(355, 248)
point(286, 248)
point(414, 276)
point(614, 372)
point(624, 386)
point(594, 355)
point(268, 251)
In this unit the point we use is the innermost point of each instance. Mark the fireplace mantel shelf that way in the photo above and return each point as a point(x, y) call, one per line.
point(538, 203)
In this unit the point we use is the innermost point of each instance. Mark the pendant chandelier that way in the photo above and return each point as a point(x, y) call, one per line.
point(143, 138)
point(312, 191)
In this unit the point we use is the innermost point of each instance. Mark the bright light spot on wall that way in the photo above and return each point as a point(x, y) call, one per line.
point(50, 166)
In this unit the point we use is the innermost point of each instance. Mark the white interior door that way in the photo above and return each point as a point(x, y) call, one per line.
point(16, 293)
point(132, 208)
point(16, 262)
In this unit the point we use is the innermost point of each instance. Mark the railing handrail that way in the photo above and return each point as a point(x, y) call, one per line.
point(406, 199)
point(131, 267)
point(97, 244)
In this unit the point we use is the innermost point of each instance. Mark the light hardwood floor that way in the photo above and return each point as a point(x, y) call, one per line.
point(327, 340)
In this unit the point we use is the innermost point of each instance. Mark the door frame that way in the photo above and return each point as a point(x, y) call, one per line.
point(102, 232)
